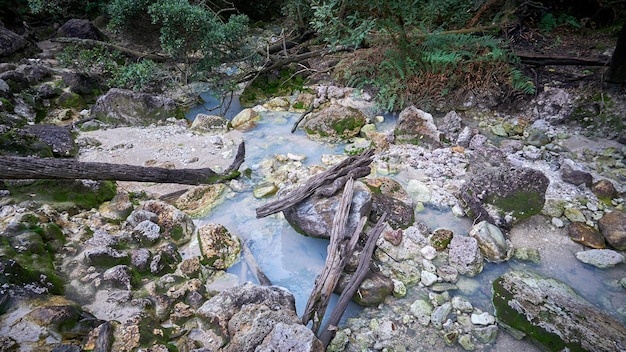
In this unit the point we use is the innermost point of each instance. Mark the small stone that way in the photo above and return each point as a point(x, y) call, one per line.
point(486, 334)
point(466, 342)
point(264, 190)
point(586, 235)
point(441, 238)
point(573, 214)
point(422, 310)
point(399, 288)
point(483, 319)
point(462, 304)
point(440, 314)
point(527, 255)
point(600, 258)
point(428, 278)
point(428, 252)
point(604, 190)
point(557, 222)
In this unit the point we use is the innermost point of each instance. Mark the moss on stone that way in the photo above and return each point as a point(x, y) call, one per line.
point(54, 191)
point(522, 204)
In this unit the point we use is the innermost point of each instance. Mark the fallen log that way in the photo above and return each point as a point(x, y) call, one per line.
point(561, 60)
point(323, 183)
point(55, 168)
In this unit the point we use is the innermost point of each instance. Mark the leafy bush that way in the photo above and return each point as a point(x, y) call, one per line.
point(144, 75)
point(192, 33)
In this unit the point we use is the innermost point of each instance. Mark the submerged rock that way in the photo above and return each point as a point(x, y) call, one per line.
point(586, 235)
point(600, 258)
point(491, 241)
point(465, 255)
point(551, 313)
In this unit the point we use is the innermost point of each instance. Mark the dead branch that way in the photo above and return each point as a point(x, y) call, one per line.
point(126, 51)
point(356, 166)
point(362, 270)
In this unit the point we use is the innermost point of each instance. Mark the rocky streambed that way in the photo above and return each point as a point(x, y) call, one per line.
point(529, 249)
point(139, 273)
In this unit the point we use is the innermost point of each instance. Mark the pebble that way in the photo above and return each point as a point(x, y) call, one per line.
point(557, 222)
point(428, 278)
point(428, 252)
point(600, 258)
point(483, 319)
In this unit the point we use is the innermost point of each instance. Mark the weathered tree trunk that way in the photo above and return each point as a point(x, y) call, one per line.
point(560, 60)
point(53, 168)
point(617, 70)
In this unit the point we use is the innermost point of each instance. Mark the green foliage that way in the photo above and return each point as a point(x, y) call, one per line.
point(144, 75)
point(190, 32)
point(136, 75)
point(65, 9)
point(404, 65)
point(549, 22)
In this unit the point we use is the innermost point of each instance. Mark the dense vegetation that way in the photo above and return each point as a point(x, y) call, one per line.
point(408, 52)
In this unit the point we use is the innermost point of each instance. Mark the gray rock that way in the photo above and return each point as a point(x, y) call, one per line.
point(119, 276)
point(105, 257)
point(220, 249)
point(465, 256)
point(486, 334)
point(600, 258)
point(461, 304)
point(450, 125)
point(130, 108)
point(140, 259)
point(209, 123)
point(13, 47)
point(290, 337)
point(222, 307)
point(174, 223)
point(571, 173)
point(483, 318)
point(553, 315)
point(79, 28)
point(415, 126)
point(334, 123)
point(314, 216)
point(140, 215)
point(422, 310)
point(147, 232)
point(60, 139)
point(440, 314)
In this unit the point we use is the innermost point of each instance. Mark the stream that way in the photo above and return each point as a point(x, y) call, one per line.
point(293, 261)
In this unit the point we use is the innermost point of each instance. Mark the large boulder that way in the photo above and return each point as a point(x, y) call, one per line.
point(314, 216)
point(130, 108)
point(59, 138)
point(334, 123)
point(79, 28)
point(13, 47)
point(551, 313)
point(249, 316)
point(415, 126)
point(504, 195)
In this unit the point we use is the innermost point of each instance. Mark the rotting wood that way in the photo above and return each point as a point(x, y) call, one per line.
point(339, 250)
point(354, 166)
point(561, 60)
point(327, 334)
point(55, 168)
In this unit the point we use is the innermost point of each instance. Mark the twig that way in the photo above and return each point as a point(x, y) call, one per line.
point(308, 111)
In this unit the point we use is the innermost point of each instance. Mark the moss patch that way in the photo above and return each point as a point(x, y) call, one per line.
point(83, 196)
point(522, 204)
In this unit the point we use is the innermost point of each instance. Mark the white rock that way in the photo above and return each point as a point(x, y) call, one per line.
point(483, 319)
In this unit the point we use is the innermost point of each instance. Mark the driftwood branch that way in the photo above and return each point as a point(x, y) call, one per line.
point(308, 111)
point(254, 266)
point(355, 166)
point(53, 168)
point(339, 250)
point(327, 334)
point(126, 51)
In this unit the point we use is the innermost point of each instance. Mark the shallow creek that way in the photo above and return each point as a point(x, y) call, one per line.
point(293, 261)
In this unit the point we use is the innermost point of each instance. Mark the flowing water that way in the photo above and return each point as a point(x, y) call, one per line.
point(293, 261)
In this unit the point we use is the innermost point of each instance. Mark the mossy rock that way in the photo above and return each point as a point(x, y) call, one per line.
point(80, 193)
point(335, 123)
point(272, 84)
point(16, 142)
